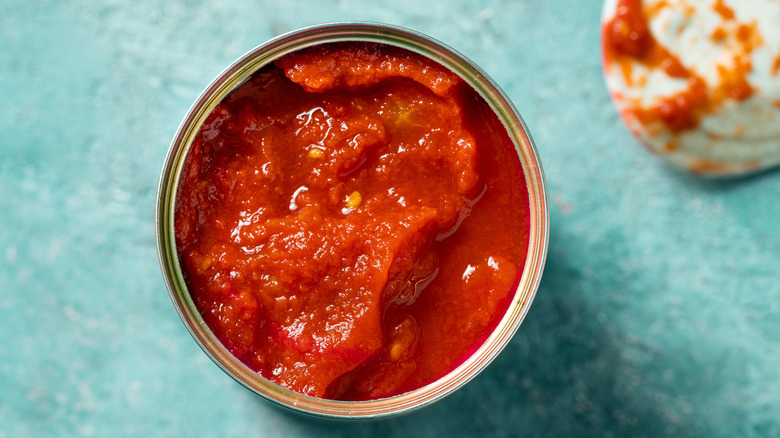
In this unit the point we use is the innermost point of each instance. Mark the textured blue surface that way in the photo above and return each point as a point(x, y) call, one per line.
point(658, 313)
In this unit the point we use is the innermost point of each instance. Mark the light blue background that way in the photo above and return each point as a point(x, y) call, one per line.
point(658, 313)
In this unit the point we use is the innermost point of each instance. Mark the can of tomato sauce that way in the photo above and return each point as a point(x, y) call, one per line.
point(352, 220)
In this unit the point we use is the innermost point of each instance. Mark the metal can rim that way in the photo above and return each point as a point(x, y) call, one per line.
point(236, 74)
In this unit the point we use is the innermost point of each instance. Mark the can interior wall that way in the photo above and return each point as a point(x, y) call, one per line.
point(238, 73)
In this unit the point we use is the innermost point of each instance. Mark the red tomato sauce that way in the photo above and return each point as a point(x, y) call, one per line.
point(352, 222)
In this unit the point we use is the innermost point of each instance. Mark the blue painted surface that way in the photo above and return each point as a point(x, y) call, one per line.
point(658, 314)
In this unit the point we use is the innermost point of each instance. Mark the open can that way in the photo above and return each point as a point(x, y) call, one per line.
point(237, 74)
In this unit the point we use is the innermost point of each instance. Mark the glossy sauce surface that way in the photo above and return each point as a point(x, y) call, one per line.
point(352, 222)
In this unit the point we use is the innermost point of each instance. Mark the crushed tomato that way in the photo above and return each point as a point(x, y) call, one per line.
point(352, 222)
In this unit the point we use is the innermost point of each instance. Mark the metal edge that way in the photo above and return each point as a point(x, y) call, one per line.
point(223, 84)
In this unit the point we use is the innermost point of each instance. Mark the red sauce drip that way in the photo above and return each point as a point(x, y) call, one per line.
point(718, 35)
point(714, 167)
point(734, 83)
point(776, 66)
point(707, 166)
point(745, 33)
point(737, 88)
point(660, 57)
point(725, 12)
point(627, 33)
point(679, 110)
point(352, 222)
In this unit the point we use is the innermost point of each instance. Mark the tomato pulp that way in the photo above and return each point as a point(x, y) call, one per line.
point(352, 222)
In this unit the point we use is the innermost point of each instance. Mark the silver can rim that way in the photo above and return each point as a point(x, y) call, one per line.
point(234, 76)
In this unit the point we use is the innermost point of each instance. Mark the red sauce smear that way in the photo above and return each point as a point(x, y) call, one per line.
point(627, 33)
point(353, 221)
point(627, 39)
point(713, 167)
point(776, 66)
point(725, 12)
point(734, 82)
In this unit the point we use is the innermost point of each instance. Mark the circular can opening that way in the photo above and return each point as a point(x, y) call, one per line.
point(525, 281)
